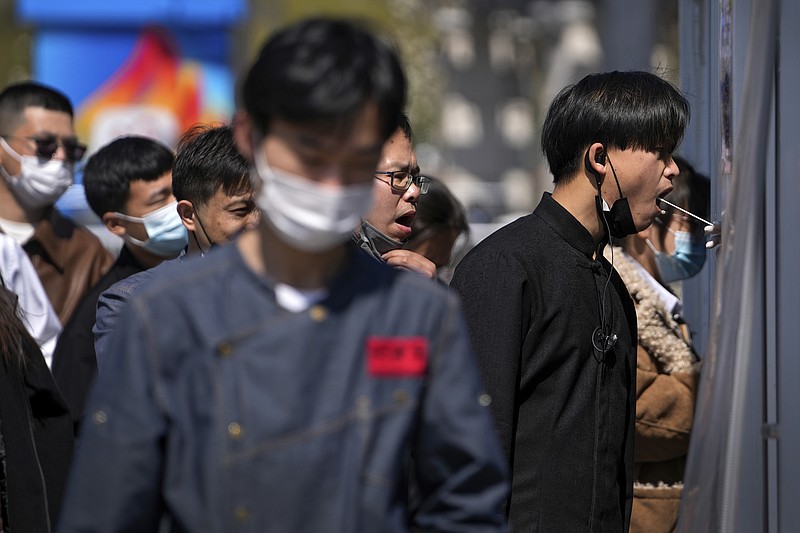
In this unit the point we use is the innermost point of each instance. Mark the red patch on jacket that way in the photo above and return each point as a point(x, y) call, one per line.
point(397, 356)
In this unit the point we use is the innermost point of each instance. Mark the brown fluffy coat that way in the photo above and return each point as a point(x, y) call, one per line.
point(666, 383)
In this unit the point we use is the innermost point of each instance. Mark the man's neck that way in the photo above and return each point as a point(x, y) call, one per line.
point(267, 255)
point(194, 246)
point(143, 257)
point(578, 198)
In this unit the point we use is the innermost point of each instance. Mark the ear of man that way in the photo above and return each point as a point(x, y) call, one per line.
point(186, 212)
point(595, 161)
point(113, 224)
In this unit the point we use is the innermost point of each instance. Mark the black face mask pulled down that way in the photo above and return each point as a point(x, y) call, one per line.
point(619, 218)
point(374, 242)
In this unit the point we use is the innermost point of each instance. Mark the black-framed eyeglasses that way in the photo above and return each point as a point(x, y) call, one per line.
point(401, 180)
point(47, 145)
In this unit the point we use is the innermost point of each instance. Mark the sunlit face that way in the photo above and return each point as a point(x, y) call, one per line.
point(36, 122)
point(223, 217)
point(392, 210)
point(643, 177)
point(144, 197)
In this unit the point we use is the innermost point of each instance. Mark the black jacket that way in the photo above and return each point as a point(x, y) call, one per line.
point(74, 360)
point(37, 443)
point(534, 296)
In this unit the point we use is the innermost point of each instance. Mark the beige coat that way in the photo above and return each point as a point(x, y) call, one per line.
point(666, 382)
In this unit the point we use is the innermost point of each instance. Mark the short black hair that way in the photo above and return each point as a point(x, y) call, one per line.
point(438, 210)
point(109, 172)
point(208, 161)
point(691, 190)
point(16, 98)
point(323, 71)
point(622, 110)
point(405, 126)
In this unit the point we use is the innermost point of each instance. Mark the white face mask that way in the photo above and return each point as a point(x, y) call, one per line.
point(40, 182)
point(306, 215)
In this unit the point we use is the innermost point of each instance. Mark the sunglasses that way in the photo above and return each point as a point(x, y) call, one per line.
point(47, 145)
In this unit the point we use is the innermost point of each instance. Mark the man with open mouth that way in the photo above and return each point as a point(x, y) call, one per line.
point(387, 226)
point(552, 324)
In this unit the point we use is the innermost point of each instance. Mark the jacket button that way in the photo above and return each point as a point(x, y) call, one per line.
point(240, 513)
point(234, 430)
point(484, 400)
point(224, 349)
point(99, 417)
point(318, 313)
point(363, 407)
point(400, 396)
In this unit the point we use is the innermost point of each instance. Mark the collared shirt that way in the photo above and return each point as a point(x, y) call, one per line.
point(227, 412)
point(536, 292)
point(37, 314)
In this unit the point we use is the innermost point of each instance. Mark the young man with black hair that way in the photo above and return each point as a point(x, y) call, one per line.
point(128, 184)
point(38, 150)
point(551, 321)
point(211, 183)
point(297, 377)
point(668, 369)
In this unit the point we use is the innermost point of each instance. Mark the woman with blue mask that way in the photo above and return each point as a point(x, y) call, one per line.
point(670, 250)
point(676, 240)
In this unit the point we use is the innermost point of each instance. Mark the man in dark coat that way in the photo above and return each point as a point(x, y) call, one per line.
point(551, 322)
point(130, 177)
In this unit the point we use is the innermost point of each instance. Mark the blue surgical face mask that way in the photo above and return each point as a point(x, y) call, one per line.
point(686, 261)
point(166, 234)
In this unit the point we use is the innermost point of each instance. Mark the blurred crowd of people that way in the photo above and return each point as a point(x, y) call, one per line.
point(284, 341)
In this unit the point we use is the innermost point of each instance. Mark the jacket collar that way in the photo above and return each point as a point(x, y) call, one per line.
point(52, 235)
point(126, 259)
point(568, 227)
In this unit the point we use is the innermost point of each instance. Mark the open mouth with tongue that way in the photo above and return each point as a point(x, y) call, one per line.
point(402, 224)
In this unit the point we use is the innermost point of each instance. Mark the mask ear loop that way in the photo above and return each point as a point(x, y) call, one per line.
point(614, 172)
point(205, 233)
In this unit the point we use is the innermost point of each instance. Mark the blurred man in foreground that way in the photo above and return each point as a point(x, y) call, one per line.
point(285, 382)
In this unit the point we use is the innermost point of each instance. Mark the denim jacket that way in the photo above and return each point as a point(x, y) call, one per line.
point(221, 411)
point(114, 299)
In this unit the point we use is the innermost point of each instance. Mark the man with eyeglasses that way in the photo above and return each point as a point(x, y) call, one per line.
point(387, 226)
point(38, 150)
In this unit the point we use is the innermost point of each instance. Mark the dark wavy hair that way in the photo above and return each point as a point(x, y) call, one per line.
point(691, 190)
point(13, 333)
point(438, 211)
point(207, 162)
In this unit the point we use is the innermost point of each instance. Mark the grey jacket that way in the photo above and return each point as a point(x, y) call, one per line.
point(221, 411)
